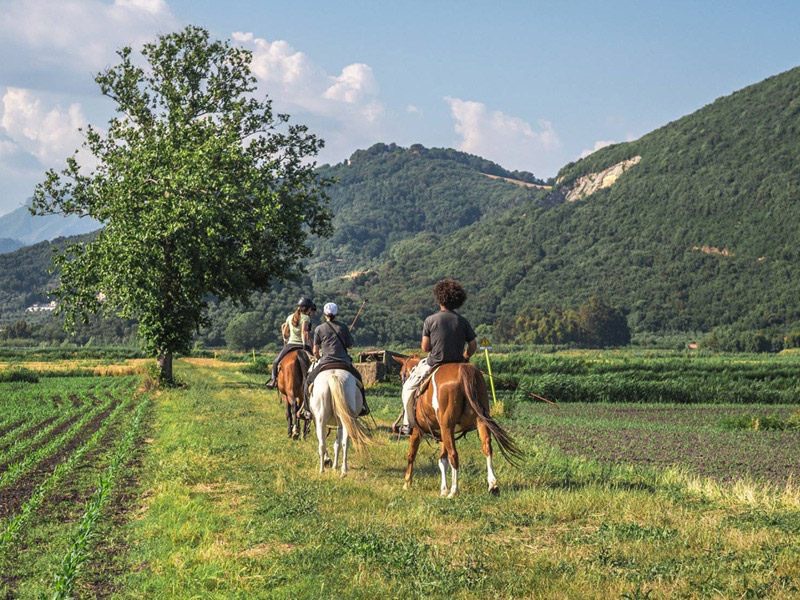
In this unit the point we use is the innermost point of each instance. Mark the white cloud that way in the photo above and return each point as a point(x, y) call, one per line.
point(508, 140)
point(597, 145)
point(80, 34)
point(413, 109)
point(48, 133)
point(294, 81)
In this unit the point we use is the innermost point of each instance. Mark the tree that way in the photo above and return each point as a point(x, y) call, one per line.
point(603, 325)
point(246, 331)
point(202, 190)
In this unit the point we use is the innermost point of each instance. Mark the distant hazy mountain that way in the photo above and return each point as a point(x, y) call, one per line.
point(9, 245)
point(26, 229)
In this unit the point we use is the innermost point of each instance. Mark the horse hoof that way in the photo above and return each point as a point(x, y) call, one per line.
point(452, 494)
point(407, 485)
point(328, 462)
point(343, 474)
point(494, 490)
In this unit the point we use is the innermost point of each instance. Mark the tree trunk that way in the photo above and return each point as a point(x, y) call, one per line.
point(165, 367)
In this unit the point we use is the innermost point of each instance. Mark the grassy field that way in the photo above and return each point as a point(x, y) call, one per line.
point(217, 502)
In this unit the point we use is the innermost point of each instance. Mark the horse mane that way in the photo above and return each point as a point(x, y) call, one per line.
point(474, 387)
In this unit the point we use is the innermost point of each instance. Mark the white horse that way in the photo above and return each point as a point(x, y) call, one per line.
point(335, 401)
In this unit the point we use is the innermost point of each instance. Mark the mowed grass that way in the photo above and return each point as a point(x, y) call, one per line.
point(230, 508)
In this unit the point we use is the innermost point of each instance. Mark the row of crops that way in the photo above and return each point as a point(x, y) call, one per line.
point(651, 377)
point(65, 443)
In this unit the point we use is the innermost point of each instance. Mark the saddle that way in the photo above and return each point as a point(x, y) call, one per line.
point(302, 355)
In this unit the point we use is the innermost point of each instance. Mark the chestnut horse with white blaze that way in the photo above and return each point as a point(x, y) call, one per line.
point(455, 402)
point(336, 401)
point(291, 373)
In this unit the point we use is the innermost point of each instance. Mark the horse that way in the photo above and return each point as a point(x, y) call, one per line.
point(335, 401)
point(456, 398)
point(291, 373)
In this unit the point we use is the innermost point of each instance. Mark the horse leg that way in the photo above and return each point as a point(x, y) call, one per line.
point(416, 438)
point(443, 470)
point(486, 446)
point(449, 444)
point(345, 447)
point(337, 444)
point(323, 452)
point(288, 405)
point(295, 420)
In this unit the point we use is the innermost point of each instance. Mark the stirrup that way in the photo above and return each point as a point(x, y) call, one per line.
point(404, 430)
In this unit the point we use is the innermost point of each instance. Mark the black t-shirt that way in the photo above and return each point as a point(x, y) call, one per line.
point(330, 344)
point(449, 333)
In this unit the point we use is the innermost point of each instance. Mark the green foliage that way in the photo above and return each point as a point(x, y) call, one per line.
point(246, 331)
point(18, 374)
point(201, 190)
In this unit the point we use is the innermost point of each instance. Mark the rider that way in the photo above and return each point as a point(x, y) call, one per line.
point(296, 332)
point(444, 336)
point(331, 342)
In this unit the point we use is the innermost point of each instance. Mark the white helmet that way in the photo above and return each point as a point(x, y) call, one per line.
point(330, 309)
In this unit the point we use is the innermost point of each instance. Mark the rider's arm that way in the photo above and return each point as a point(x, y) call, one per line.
point(307, 334)
point(426, 343)
point(471, 347)
point(285, 331)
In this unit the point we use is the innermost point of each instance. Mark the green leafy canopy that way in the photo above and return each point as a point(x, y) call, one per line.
point(201, 188)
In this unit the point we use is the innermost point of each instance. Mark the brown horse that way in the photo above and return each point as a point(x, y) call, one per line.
point(455, 402)
point(291, 373)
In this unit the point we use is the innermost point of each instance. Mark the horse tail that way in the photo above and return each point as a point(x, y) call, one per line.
point(474, 387)
point(356, 431)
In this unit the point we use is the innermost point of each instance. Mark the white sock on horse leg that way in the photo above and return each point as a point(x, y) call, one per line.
point(490, 478)
point(443, 464)
point(454, 485)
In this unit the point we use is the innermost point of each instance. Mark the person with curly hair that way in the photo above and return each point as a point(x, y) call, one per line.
point(447, 337)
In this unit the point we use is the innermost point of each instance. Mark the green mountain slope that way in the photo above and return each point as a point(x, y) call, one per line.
point(387, 193)
point(703, 231)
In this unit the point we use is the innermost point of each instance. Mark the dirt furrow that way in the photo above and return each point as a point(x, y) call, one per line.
point(31, 431)
point(10, 427)
point(16, 495)
point(34, 447)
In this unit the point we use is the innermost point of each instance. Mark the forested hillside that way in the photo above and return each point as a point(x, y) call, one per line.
point(703, 232)
point(695, 227)
point(387, 193)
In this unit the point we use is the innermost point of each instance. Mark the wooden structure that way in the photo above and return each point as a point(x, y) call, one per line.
point(377, 365)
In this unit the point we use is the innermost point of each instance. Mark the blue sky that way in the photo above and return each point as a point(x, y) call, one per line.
point(531, 85)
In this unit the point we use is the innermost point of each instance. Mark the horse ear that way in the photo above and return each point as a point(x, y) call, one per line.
point(399, 361)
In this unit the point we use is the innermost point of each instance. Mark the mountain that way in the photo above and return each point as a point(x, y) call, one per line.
point(22, 226)
point(387, 193)
point(694, 226)
point(9, 245)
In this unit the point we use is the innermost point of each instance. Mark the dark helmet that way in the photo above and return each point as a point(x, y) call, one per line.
point(306, 303)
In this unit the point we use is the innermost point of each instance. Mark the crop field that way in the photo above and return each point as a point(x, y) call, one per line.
point(196, 492)
point(65, 444)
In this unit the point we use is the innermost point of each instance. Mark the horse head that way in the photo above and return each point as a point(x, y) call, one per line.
point(406, 364)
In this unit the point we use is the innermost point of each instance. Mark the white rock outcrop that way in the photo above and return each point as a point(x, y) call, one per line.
point(588, 184)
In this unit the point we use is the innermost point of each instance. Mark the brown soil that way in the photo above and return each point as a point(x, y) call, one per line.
point(34, 447)
point(31, 431)
point(15, 496)
point(100, 577)
point(10, 427)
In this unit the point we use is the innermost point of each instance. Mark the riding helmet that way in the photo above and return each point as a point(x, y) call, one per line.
point(305, 302)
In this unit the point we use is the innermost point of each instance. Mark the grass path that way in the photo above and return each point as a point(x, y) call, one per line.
point(233, 509)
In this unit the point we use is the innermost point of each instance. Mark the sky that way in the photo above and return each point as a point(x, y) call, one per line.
point(531, 85)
